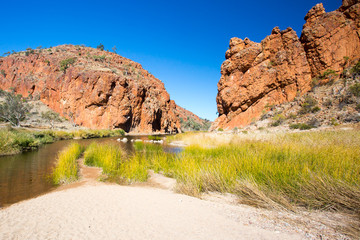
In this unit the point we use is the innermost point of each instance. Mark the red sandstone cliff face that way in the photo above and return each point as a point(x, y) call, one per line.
point(100, 90)
point(332, 40)
point(281, 66)
point(259, 74)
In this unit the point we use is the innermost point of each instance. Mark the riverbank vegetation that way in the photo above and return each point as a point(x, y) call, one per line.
point(67, 168)
point(116, 166)
point(16, 140)
point(312, 170)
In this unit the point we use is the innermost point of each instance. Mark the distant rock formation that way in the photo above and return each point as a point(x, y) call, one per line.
point(256, 75)
point(191, 122)
point(93, 88)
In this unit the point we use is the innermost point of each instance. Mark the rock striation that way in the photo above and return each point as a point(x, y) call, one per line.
point(257, 75)
point(332, 40)
point(91, 87)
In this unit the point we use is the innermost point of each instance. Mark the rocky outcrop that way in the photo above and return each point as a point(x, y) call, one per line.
point(255, 75)
point(93, 88)
point(258, 74)
point(191, 122)
point(332, 40)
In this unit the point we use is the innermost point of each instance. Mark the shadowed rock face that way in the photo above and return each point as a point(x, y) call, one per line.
point(100, 90)
point(282, 65)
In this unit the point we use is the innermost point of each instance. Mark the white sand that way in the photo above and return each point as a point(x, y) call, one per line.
point(89, 209)
point(121, 212)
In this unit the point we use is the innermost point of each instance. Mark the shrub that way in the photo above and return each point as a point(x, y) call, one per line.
point(301, 126)
point(357, 107)
point(100, 47)
point(220, 129)
point(51, 117)
point(14, 108)
point(327, 73)
point(64, 64)
point(334, 122)
point(99, 58)
point(3, 72)
point(309, 105)
point(355, 89)
point(356, 68)
point(277, 120)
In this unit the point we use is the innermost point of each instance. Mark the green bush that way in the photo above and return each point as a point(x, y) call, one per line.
point(278, 119)
point(100, 47)
point(355, 89)
point(309, 106)
point(327, 73)
point(14, 108)
point(65, 64)
point(357, 107)
point(301, 126)
point(356, 68)
point(100, 58)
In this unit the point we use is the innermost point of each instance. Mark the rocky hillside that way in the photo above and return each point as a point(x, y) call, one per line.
point(191, 122)
point(91, 87)
point(282, 66)
point(329, 104)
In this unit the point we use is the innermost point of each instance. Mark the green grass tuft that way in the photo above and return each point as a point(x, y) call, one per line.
point(66, 169)
point(117, 168)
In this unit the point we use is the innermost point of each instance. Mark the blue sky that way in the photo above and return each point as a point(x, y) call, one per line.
point(182, 43)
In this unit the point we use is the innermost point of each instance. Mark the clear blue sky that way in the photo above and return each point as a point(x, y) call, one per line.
point(182, 43)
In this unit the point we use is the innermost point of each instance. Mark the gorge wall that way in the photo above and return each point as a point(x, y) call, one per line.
point(256, 75)
point(93, 88)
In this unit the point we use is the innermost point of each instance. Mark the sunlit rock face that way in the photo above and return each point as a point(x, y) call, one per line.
point(256, 75)
point(99, 90)
point(332, 40)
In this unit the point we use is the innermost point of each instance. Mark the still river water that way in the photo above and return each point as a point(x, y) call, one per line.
point(26, 175)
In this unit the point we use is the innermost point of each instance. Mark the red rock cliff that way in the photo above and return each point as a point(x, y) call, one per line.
point(258, 74)
point(99, 90)
point(332, 40)
point(281, 66)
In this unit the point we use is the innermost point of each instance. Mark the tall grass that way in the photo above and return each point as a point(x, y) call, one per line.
point(66, 169)
point(114, 164)
point(315, 170)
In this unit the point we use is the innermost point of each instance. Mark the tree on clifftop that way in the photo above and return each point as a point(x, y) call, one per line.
point(101, 47)
point(13, 108)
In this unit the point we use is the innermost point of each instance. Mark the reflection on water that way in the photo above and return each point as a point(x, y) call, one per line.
point(26, 175)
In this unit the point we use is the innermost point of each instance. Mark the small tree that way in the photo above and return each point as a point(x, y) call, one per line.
point(64, 64)
point(101, 47)
point(51, 117)
point(14, 108)
point(114, 49)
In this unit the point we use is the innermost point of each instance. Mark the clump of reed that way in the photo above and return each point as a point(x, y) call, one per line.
point(115, 165)
point(66, 169)
point(315, 170)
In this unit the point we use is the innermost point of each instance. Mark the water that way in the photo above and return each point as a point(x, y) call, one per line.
point(26, 175)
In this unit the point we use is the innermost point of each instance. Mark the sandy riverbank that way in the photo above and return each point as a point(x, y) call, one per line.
point(89, 209)
point(120, 212)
